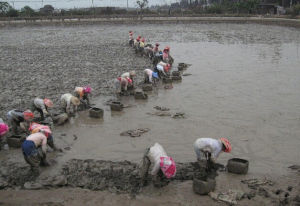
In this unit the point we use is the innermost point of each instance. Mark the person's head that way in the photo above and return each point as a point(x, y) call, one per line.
point(28, 115)
point(168, 166)
point(75, 101)
point(87, 89)
point(226, 145)
point(3, 129)
point(143, 39)
point(48, 102)
point(167, 49)
point(132, 73)
point(155, 75)
point(157, 44)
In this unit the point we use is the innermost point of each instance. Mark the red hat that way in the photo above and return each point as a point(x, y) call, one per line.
point(28, 115)
point(227, 144)
point(48, 102)
point(167, 48)
point(129, 80)
point(143, 39)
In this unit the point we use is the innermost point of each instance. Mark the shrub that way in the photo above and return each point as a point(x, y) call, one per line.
point(296, 9)
point(215, 9)
point(12, 13)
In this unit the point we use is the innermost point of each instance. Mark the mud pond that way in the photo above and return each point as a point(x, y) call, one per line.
point(244, 85)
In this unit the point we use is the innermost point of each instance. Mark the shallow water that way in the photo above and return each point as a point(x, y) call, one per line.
point(244, 85)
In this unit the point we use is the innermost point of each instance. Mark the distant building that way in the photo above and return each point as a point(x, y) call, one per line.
point(47, 10)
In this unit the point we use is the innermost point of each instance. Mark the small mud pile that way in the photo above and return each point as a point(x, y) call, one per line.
point(103, 175)
point(13, 175)
point(191, 170)
point(117, 177)
point(135, 132)
point(120, 177)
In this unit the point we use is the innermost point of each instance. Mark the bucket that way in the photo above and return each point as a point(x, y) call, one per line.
point(140, 95)
point(147, 87)
point(203, 187)
point(238, 166)
point(167, 80)
point(116, 106)
point(96, 112)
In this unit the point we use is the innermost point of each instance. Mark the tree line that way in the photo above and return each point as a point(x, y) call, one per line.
point(184, 7)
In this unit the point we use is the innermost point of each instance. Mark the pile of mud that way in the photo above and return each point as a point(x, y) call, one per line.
point(118, 177)
point(101, 175)
point(123, 177)
point(14, 175)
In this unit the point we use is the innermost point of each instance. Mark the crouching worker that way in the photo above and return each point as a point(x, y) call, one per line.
point(69, 103)
point(208, 150)
point(158, 56)
point(136, 44)
point(35, 128)
point(19, 119)
point(156, 49)
point(129, 75)
point(121, 85)
point(149, 75)
point(82, 93)
point(42, 105)
point(34, 150)
point(162, 166)
point(3, 130)
point(131, 38)
point(162, 68)
point(142, 46)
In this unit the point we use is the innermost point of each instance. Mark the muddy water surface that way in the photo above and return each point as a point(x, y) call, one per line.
point(244, 86)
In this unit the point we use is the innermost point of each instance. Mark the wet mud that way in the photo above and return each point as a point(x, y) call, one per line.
point(51, 61)
point(119, 177)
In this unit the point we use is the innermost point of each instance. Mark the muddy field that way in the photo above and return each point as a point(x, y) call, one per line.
point(243, 84)
point(51, 61)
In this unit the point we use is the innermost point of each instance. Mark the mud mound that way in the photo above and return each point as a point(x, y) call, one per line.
point(12, 175)
point(117, 177)
point(189, 170)
point(103, 175)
